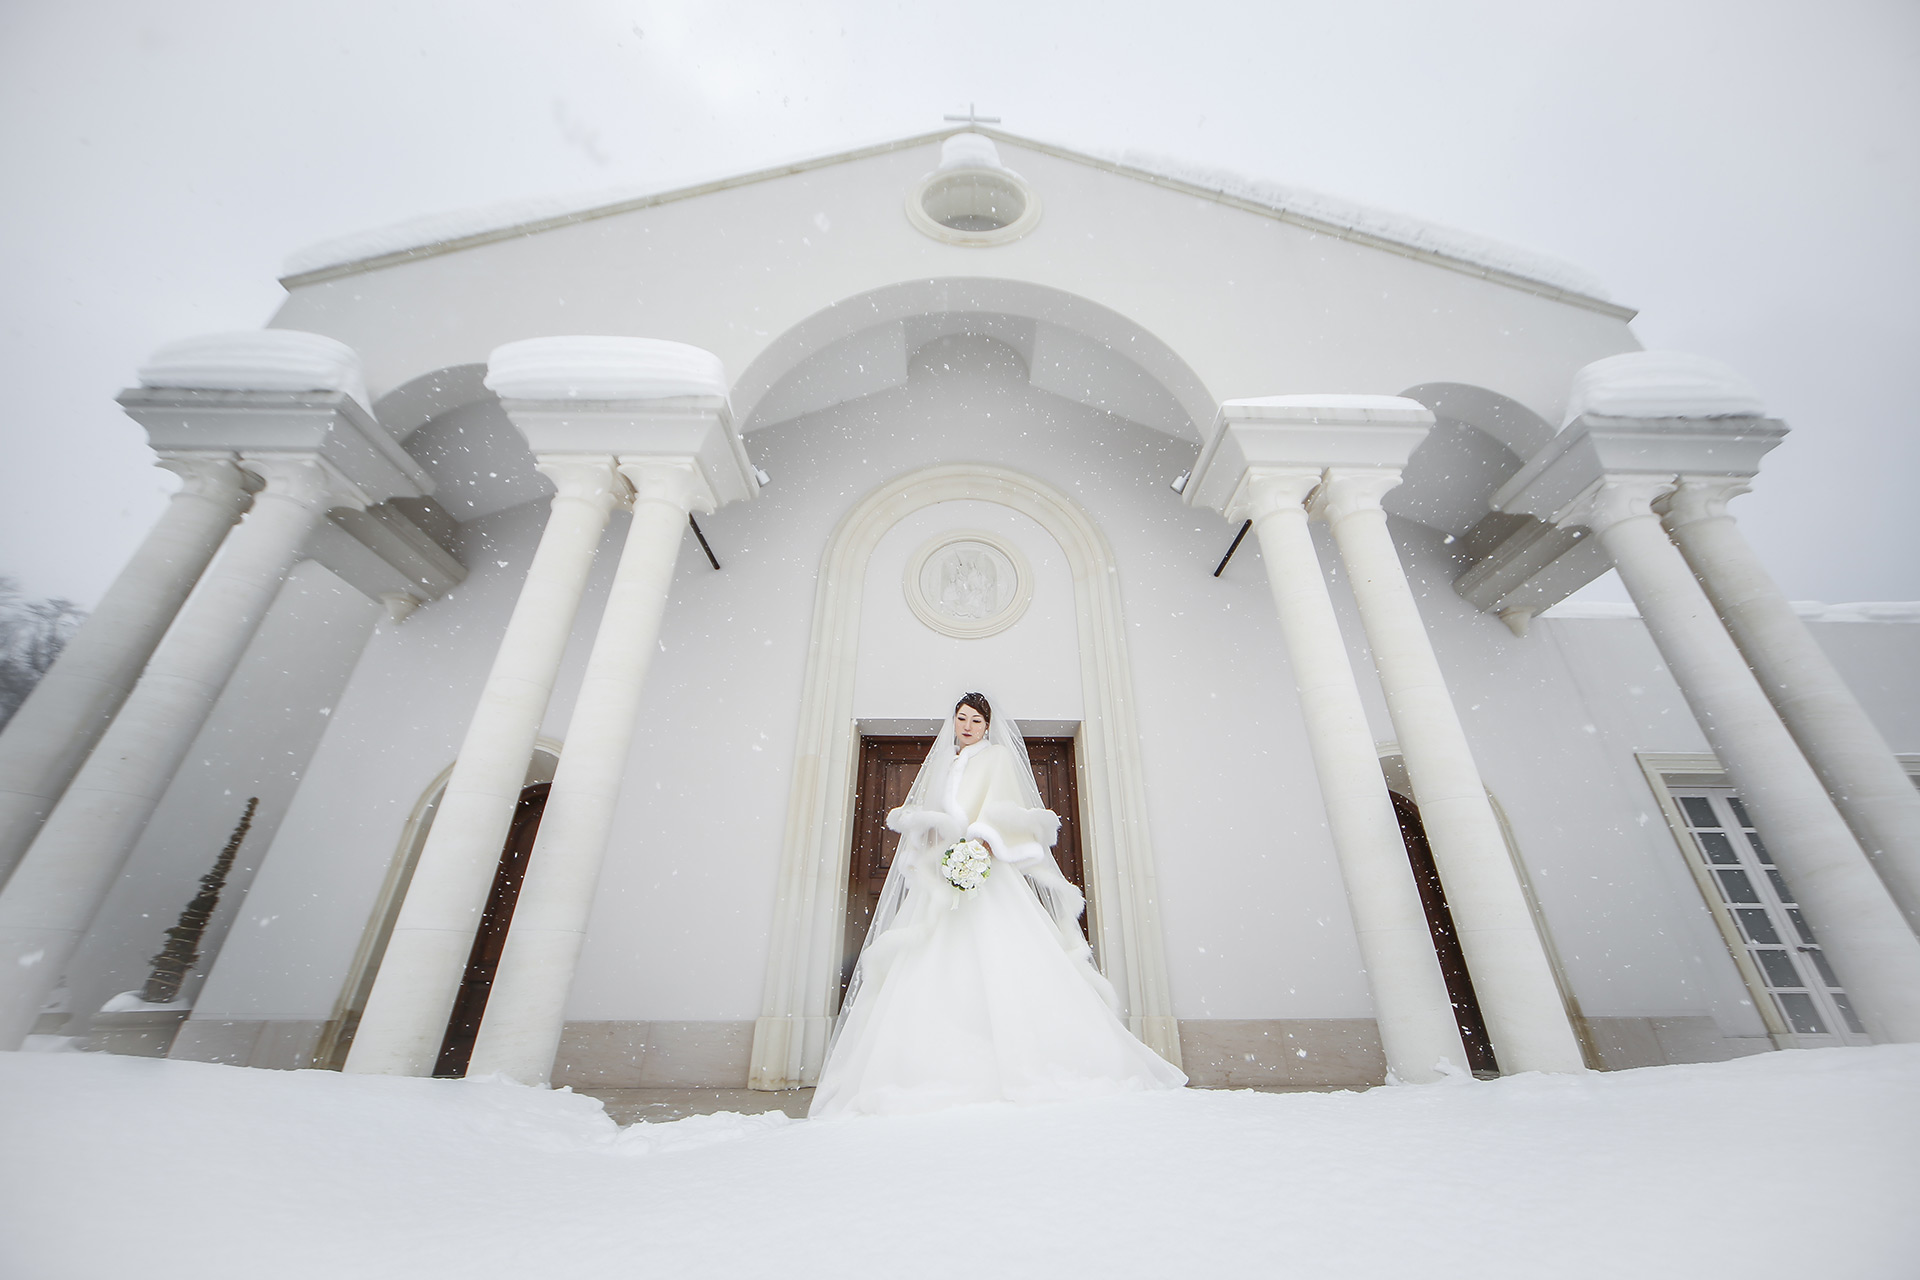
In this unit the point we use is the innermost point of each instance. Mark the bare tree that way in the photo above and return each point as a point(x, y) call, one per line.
point(32, 634)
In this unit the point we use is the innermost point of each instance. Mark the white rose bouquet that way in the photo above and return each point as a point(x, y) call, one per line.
point(966, 865)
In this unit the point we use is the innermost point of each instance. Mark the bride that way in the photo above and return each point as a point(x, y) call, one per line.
point(985, 994)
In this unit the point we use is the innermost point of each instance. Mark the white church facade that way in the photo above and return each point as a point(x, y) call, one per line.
point(572, 588)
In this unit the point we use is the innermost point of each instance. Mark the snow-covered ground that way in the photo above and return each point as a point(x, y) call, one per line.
point(1802, 1165)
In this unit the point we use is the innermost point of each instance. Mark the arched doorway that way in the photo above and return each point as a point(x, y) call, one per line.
point(1446, 940)
point(337, 1038)
point(490, 938)
point(809, 925)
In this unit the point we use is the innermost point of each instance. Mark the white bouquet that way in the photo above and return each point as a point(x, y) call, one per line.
point(966, 865)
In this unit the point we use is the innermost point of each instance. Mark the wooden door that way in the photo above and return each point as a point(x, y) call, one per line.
point(1446, 940)
point(887, 768)
point(1053, 769)
point(490, 939)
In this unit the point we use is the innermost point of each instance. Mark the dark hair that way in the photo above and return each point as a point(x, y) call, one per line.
point(978, 701)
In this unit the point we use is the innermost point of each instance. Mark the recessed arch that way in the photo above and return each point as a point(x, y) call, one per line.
point(417, 401)
point(801, 992)
point(1062, 336)
point(1479, 440)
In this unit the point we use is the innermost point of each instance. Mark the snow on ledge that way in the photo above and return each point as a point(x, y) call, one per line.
point(603, 368)
point(130, 1002)
point(1662, 384)
point(1592, 610)
point(1335, 406)
point(1808, 610)
point(257, 360)
point(1859, 611)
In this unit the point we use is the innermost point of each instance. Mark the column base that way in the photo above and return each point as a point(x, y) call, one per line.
point(788, 1051)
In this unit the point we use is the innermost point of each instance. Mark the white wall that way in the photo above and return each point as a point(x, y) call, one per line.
point(908, 671)
point(1250, 892)
point(1881, 663)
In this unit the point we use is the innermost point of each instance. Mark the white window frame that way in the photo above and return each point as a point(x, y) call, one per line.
point(1667, 772)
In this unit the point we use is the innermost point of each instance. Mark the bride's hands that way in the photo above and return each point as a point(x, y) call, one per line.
point(1014, 853)
point(987, 836)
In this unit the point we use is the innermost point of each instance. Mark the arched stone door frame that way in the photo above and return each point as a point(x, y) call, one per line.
point(337, 1036)
point(800, 996)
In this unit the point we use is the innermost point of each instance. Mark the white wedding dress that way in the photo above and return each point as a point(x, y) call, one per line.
point(983, 996)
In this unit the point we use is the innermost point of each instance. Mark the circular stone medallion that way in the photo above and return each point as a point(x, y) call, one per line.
point(968, 584)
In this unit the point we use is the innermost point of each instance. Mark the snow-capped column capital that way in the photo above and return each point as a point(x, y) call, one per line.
point(627, 398)
point(271, 392)
point(257, 360)
point(1661, 414)
point(1311, 432)
point(1661, 385)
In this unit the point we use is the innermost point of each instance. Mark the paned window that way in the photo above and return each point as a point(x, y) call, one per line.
point(1768, 918)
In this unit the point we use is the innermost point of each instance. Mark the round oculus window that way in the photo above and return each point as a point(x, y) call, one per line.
point(973, 206)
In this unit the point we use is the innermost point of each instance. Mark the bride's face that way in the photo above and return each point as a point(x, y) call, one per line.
point(968, 726)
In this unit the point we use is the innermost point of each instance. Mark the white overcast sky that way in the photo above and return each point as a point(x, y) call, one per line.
point(1746, 174)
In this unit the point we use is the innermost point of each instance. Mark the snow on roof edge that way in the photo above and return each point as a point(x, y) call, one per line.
point(1882, 611)
point(1384, 224)
point(527, 214)
point(506, 217)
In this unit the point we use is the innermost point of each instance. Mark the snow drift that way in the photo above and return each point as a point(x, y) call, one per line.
point(1783, 1165)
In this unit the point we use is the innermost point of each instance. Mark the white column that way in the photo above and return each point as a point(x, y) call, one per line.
point(1863, 933)
point(407, 1010)
point(48, 904)
point(520, 1033)
point(1512, 976)
point(51, 734)
point(1417, 1026)
point(1867, 784)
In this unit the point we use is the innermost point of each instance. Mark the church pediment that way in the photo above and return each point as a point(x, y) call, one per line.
point(1154, 293)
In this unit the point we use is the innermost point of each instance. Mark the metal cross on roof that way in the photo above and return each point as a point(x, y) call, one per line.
point(972, 119)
